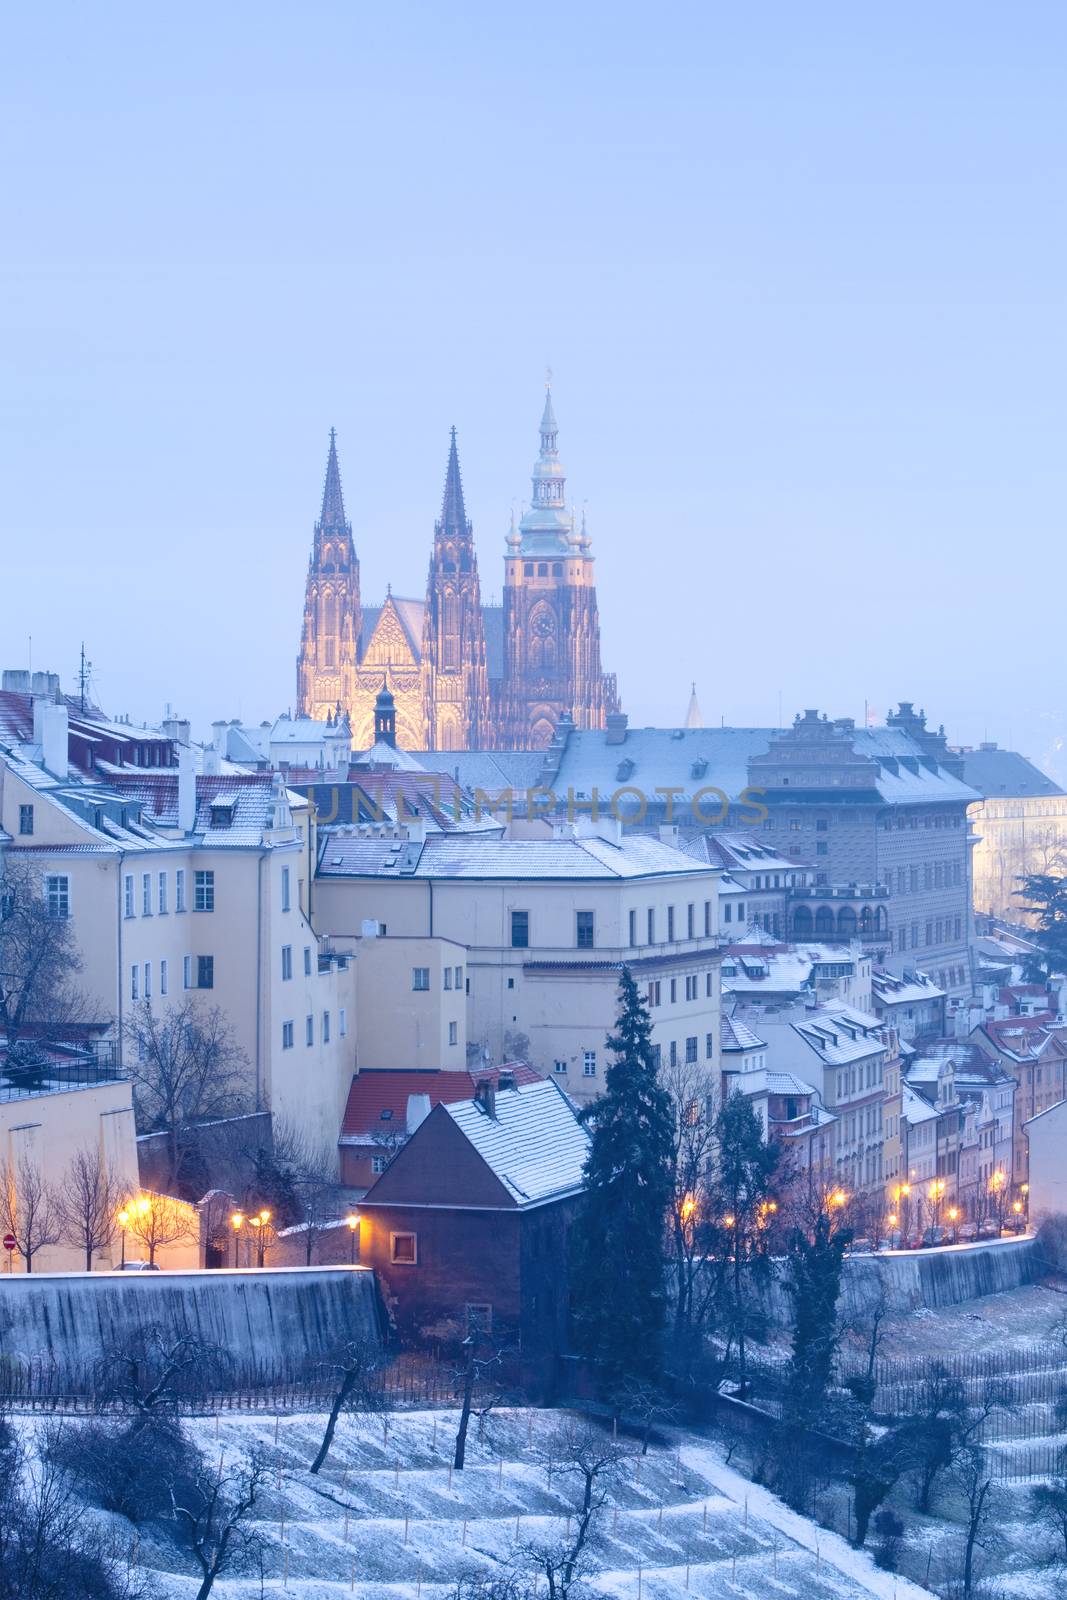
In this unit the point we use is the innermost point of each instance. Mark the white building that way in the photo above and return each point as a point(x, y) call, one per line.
point(546, 925)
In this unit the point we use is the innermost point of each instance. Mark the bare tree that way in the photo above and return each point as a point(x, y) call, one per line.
point(1048, 1503)
point(975, 1482)
point(157, 1220)
point(354, 1369)
point(186, 1069)
point(591, 1462)
point(38, 956)
point(479, 1392)
point(87, 1202)
point(213, 1510)
point(311, 1171)
point(697, 1281)
point(149, 1380)
point(27, 1208)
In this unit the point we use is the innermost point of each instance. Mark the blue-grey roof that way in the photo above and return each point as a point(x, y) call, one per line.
point(454, 856)
point(996, 772)
point(488, 770)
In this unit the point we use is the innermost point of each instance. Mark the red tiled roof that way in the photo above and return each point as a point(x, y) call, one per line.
point(382, 1089)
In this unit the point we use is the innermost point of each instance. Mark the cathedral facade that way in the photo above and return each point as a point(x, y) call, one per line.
point(463, 675)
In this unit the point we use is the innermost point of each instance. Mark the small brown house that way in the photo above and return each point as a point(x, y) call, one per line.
point(469, 1223)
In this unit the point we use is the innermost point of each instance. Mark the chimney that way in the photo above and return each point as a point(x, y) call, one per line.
point(16, 680)
point(186, 790)
point(177, 730)
point(485, 1097)
point(50, 733)
point(616, 723)
point(505, 1079)
point(418, 1111)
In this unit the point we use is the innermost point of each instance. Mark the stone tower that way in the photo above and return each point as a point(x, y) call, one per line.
point(456, 682)
point(551, 629)
point(329, 641)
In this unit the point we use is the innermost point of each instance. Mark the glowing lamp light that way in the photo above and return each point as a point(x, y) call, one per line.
point(688, 1208)
point(892, 1219)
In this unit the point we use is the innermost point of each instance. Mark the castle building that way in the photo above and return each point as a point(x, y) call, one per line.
point(463, 675)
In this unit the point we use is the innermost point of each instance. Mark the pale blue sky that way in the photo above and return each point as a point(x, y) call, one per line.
point(799, 271)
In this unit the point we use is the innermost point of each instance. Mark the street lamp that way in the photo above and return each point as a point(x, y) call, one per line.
point(353, 1229)
point(259, 1221)
point(937, 1190)
point(236, 1220)
point(123, 1222)
point(954, 1217)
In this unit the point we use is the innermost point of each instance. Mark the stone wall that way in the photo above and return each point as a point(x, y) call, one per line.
point(279, 1322)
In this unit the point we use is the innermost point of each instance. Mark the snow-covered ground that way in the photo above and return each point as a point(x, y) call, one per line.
point(386, 1517)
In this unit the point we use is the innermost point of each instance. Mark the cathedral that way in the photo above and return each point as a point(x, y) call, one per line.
point(463, 675)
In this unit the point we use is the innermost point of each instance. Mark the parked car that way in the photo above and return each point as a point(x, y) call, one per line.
point(989, 1230)
point(933, 1236)
point(139, 1266)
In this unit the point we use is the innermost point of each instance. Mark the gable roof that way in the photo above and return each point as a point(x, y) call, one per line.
point(535, 1144)
point(995, 772)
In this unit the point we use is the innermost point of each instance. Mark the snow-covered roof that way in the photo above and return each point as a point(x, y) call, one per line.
point(915, 1109)
point(840, 1033)
point(912, 989)
point(737, 1035)
point(534, 1143)
point(480, 857)
point(762, 1080)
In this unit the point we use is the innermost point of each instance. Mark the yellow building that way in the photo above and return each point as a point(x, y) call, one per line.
point(1020, 827)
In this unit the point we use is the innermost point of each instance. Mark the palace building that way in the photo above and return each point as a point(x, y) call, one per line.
point(463, 675)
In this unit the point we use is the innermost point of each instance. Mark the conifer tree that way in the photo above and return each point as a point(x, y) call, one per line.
point(741, 1210)
point(618, 1270)
point(816, 1284)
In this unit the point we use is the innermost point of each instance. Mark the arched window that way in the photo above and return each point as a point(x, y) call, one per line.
point(802, 923)
point(879, 919)
point(846, 923)
point(557, 569)
point(542, 569)
point(824, 923)
point(865, 920)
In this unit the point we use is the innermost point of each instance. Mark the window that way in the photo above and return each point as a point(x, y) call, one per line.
point(378, 1165)
point(654, 992)
point(342, 1021)
point(287, 1035)
point(670, 924)
point(651, 925)
point(404, 1249)
point(728, 912)
point(822, 848)
point(459, 977)
point(707, 919)
point(453, 1033)
point(162, 893)
point(589, 1064)
point(674, 990)
point(821, 826)
point(285, 889)
point(309, 1031)
point(559, 1066)
point(690, 921)
point(633, 927)
point(287, 962)
point(480, 1313)
point(146, 894)
point(691, 1050)
point(709, 985)
point(205, 972)
point(520, 930)
point(25, 821)
point(57, 894)
point(956, 927)
point(204, 891)
point(584, 929)
point(325, 1027)
point(135, 982)
point(179, 889)
point(709, 1046)
point(691, 987)
point(674, 1052)
point(127, 895)
point(929, 933)
point(163, 977)
point(420, 977)
point(307, 961)
point(187, 972)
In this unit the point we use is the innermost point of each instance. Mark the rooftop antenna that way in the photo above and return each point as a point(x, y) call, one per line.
point(84, 669)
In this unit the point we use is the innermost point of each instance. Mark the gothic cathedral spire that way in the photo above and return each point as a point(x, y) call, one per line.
point(453, 647)
point(333, 618)
point(551, 665)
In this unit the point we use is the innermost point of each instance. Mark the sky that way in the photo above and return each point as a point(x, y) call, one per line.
point(798, 272)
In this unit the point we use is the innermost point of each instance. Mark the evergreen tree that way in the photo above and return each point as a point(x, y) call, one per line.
point(741, 1209)
point(618, 1272)
point(1046, 896)
point(816, 1283)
